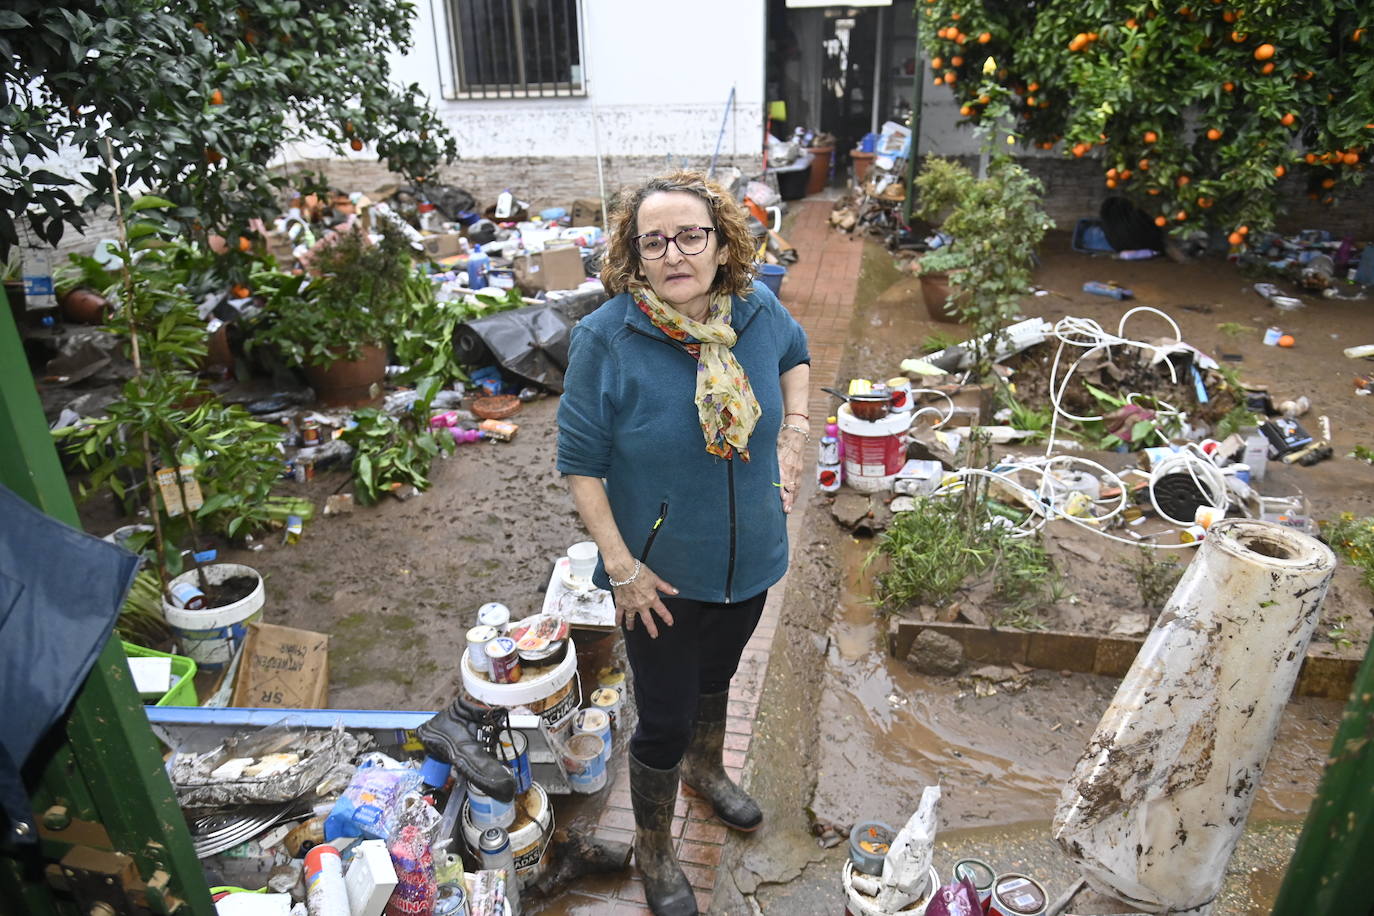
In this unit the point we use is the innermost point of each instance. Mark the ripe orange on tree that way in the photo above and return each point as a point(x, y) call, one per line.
point(1350, 158)
point(1151, 136)
point(1280, 171)
point(1243, 230)
point(1228, 86)
point(1267, 68)
point(950, 76)
point(1161, 221)
point(1183, 180)
point(356, 144)
point(1238, 37)
point(965, 110)
point(960, 39)
point(1125, 175)
point(985, 38)
point(217, 98)
point(1235, 238)
point(1310, 158)
point(1328, 182)
point(937, 63)
point(956, 61)
point(245, 244)
point(1213, 134)
point(240, 291)
point(1181, 215)
point(1131, 24)
point(1144, 165)
point(1205, 202)
point(1264, 51)
point(1288, 119)
point(1111, 182)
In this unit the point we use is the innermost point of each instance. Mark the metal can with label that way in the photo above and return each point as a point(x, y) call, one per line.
point(494, 614)
point(478, 637)
point(451, 899)
point(504, 659)
point(186, 595)
point(512, 749)
point(829, 451)
point(829, 477)
point(1017, 895)
point(310, 432)
point(981, 874)
point(901, 393)
point(607, 699)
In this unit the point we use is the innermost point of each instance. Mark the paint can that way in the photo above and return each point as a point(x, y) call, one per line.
point(1017, 895)
point(481, 810)
point(478, 637)
point(494, 614)
point(451, 899)
point(873, 450)
point(504, 660)
point(513, 750)
point(978, 872)
point(310, 433)
point(828, 451)
point(607, 699)
point(900, 388)
point(593, 721)
point(584, 761)
point(529, 833)
point(829, 477)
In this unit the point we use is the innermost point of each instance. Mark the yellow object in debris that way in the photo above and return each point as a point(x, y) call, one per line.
point(860, 386)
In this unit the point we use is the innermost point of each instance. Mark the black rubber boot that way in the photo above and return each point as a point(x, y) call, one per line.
point(704, 773)
point(653, 793)
point(446, 737)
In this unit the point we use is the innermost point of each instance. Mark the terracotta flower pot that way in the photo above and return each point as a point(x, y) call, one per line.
point(862, 163)
point(935, 293)
point(350, 383)
point(820, 169)
point(83, 305)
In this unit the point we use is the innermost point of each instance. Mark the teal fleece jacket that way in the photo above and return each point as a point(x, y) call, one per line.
point(628, 416)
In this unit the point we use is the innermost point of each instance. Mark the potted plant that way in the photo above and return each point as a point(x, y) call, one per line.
point(168, 445)
point(995, 224)
point(336, 323)
point(80, 285)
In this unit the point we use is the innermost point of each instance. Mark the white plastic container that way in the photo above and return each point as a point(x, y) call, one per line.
point(1156, 804)
point(873, 451)
point(553, 693)
point(211, 636)
point(863, 905)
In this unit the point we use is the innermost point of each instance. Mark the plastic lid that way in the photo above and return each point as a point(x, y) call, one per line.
point(434, 772)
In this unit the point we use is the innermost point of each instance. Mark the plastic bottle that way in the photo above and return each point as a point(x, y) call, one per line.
point(505, 204)
point(1256, 454)
point(1107, 289)
point(496, 854)
point(478, 265)
point(325, 891)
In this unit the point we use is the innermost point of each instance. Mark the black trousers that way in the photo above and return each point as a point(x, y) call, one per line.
point(697, 655)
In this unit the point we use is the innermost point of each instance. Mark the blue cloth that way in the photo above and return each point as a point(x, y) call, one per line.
point(628, 416)
point(60, 594)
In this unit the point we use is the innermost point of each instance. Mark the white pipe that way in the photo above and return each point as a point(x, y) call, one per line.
point(1159, 799)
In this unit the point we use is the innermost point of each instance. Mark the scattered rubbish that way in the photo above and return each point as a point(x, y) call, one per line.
point(338, 504)
point(869, 842)
point(1276, 298)
point(1365, 351)
point(1272, 335)
point(1167, 760)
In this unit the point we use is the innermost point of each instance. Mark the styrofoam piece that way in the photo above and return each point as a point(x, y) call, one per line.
point(1157, 802)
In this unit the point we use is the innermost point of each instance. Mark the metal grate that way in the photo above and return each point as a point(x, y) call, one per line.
point(505, 49)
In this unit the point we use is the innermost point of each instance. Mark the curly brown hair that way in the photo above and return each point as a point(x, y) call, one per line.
point(621, 270)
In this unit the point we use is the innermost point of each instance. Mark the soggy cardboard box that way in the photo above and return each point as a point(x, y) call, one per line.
point(283, 667)
point(553, 268)
point(443, 245)
point(586, 211)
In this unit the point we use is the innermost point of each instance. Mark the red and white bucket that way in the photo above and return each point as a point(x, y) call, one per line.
point(874, 451)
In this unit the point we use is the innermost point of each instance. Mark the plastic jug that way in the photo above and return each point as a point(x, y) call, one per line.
point(478, 266)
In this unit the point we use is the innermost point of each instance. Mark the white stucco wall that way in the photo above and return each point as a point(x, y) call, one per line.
point(658, 77)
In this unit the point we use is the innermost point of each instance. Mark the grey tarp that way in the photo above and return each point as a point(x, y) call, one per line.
point(60, 593)
point(530, 342)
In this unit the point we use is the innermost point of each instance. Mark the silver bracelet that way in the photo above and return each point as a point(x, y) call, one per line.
point(801, 429)
point(633, 576)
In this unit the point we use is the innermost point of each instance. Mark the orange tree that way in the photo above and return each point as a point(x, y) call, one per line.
point(196, 99)
point(1196, 110)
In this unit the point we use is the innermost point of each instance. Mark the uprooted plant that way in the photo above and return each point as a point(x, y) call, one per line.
point(396, 451)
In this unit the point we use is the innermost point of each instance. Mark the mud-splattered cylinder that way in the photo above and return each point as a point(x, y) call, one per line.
point(1158, 800)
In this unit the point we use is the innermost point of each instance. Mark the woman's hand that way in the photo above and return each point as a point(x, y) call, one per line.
point(639, 600)
point(790, 461)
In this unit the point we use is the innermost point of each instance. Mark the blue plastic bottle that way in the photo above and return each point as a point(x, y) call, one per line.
point(1106, 289)
point(478, 265)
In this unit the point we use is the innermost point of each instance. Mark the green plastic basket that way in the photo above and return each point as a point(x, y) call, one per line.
point(183, 691)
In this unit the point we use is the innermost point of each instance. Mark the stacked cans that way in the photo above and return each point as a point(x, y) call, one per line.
point(828, 474)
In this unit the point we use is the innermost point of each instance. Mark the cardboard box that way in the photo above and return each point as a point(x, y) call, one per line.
point(444, 245)
point(552, 268)
point(283, 667)
point(586, 211)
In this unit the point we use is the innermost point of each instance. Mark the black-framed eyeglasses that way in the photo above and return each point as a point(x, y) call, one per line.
point(654, 245)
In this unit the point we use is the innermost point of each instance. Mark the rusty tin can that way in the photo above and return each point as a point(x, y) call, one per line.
point(505, 660)
point(310, 432)
point(1017, 895)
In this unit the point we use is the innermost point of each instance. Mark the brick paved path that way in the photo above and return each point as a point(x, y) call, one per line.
point(819, 290)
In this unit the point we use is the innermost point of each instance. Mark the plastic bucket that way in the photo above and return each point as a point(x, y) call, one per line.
point(858, 904)
point(529, 834)
point(770, 275)
point(584, 757)
point(554, 694)
point(873, 450)
point(211, 636)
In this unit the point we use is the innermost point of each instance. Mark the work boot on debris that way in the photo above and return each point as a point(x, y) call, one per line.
point(446, 737)
point(703, 770)
point(653, 793)
point(576, 853)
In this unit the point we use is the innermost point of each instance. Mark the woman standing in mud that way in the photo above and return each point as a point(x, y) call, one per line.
point(681, 434)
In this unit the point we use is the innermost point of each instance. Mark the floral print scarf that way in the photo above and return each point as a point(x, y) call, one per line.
point(725, 401)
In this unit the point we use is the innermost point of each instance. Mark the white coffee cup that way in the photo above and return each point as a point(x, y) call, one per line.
point(582, 560)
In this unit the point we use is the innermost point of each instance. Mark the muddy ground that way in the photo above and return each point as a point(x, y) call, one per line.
point(397, 585)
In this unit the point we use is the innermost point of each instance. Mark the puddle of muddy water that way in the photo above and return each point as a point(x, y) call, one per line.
point(887, 731)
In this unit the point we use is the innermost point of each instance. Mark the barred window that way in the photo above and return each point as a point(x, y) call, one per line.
point(516, 48)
